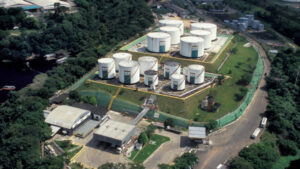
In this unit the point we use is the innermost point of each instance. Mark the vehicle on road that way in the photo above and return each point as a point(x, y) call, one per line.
point(263, 122)
point(255, 133)
point(220, 166)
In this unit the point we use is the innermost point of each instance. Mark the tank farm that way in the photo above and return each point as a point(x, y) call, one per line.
point(143, 64)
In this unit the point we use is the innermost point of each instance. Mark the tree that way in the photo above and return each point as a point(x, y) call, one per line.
point(163, 166)
point(287, 147)
point(240, 163)
point(150, 130)
point(245, 80)
point(220, 79)
point(112, 166)
point(186, 161)
point(143, 138)
point(90, 100)
point(212, 124)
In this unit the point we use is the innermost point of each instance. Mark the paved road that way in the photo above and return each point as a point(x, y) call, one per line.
point(231, 139)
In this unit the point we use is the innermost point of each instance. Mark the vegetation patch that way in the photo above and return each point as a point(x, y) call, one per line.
point(149, 148)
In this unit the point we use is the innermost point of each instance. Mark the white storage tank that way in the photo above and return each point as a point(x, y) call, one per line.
point(206, 35)
point(148, 63)
point(192, 46)
point(158, 42)
point(178, 82)
point(212, 28)
point(118, 57)
point(107, 68)
point(151, 77)
point(174, 32)
point(170, 68)
point(196, 74)
point(129, 72)
point(173, 23)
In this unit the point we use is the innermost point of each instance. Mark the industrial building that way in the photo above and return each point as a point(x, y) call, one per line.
point(114, 132)
point(243, 23)
point(67, 118)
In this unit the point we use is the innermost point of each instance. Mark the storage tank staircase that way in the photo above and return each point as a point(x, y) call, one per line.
point(148, 105)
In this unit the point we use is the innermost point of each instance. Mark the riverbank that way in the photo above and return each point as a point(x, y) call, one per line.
point(20, 75)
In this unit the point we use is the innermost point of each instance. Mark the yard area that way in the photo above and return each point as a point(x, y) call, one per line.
point(240, 64)
point(149, 148)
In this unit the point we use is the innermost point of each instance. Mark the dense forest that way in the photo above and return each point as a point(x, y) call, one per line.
point(91, 26)
point(283, 134)
point(88, 34)
point(282, 18)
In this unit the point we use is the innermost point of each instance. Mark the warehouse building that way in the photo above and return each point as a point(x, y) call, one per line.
point(114, 132)
point(67, 119)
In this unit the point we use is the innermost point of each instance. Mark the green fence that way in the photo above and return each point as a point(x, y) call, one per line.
point(230, 117)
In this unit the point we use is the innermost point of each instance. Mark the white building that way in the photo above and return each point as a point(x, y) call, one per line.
point(67, 118)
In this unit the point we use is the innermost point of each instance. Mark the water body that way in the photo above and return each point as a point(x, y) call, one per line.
point(20, 75)
point(294, 164)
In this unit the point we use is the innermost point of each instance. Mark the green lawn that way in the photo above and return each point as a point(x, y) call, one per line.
point(65, 145)
point(70, 155)
point(133, 153)
point(148, 149)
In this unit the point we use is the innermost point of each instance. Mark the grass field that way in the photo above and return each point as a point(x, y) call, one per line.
point(148, 149)
point(241, 63)
point(285, 161)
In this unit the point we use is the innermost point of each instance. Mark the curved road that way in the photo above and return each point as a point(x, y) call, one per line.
point(228, 141)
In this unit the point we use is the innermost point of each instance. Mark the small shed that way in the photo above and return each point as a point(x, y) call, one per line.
point(197, 133)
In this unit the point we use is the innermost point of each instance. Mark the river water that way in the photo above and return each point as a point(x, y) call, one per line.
point(19, 75)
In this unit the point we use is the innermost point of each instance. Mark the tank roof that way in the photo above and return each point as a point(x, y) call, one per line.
point(150, 72)
point(158, 35)
point(169, 28)
point(170, 21)
point(128, 63)
point(191, 39)
point(105, 60)
point(147, 59)
point(196, 67)
point(200, 32)
point(204, 25)
point(177, 76)
point(121, 55)
point(171, 63)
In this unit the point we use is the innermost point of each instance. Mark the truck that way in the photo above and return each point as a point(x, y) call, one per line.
point(263, 122)
point(255, 133)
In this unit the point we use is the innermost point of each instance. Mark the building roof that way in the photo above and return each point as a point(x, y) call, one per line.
point(66, 116)
point(197, 132)
point(49, 4)
point(115, 130)
point(13, 3)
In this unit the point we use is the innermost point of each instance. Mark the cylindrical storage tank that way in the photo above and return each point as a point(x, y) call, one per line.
point(185, 71)
point(147, 63)
point(206, 35)
point(118, 57)
point(151, 77)
point(178, 82)
point(174, 32)
point(212, 28)
point(158, 42)
point(107, 68)
point(196, 74)
point(171, 68)
point(255, 24)
point(191, 46)
point(172, 23)
point(129, 72)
